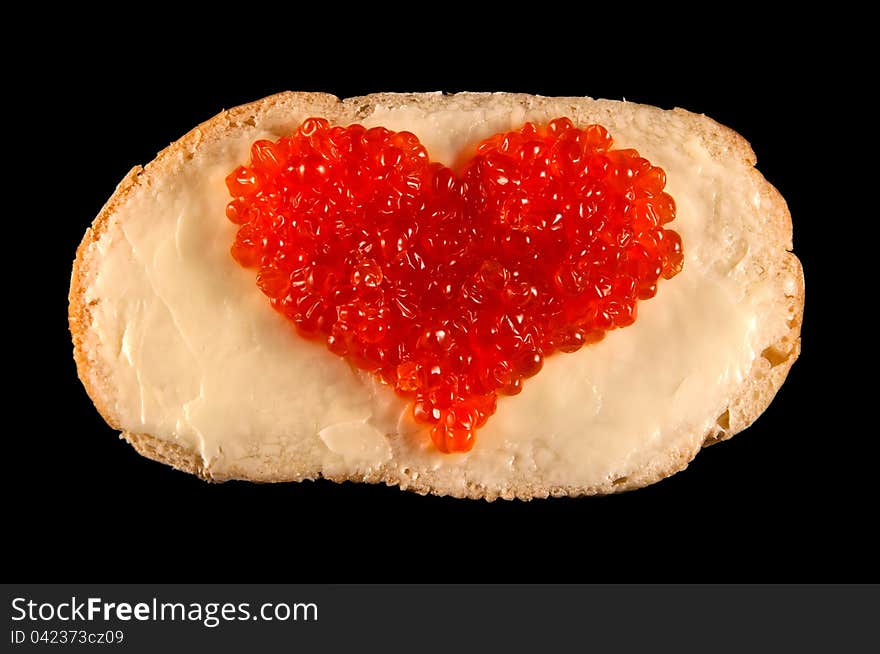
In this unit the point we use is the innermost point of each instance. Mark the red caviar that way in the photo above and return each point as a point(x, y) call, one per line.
point(453, 287)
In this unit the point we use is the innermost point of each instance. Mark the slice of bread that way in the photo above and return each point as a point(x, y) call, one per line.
point(181, 352)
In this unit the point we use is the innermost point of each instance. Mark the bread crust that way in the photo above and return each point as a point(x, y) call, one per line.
point(750, 399)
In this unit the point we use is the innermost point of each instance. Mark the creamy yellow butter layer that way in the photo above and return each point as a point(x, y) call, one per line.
point(198, 356)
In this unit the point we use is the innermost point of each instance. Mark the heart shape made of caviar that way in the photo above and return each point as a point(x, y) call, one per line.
point(452, 288)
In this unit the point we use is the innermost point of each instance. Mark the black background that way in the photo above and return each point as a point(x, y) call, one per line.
point(788, 500)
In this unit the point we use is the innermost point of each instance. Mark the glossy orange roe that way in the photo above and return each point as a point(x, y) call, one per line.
point(453, 288)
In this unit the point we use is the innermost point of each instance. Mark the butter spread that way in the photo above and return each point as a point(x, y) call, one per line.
point(197, 356)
